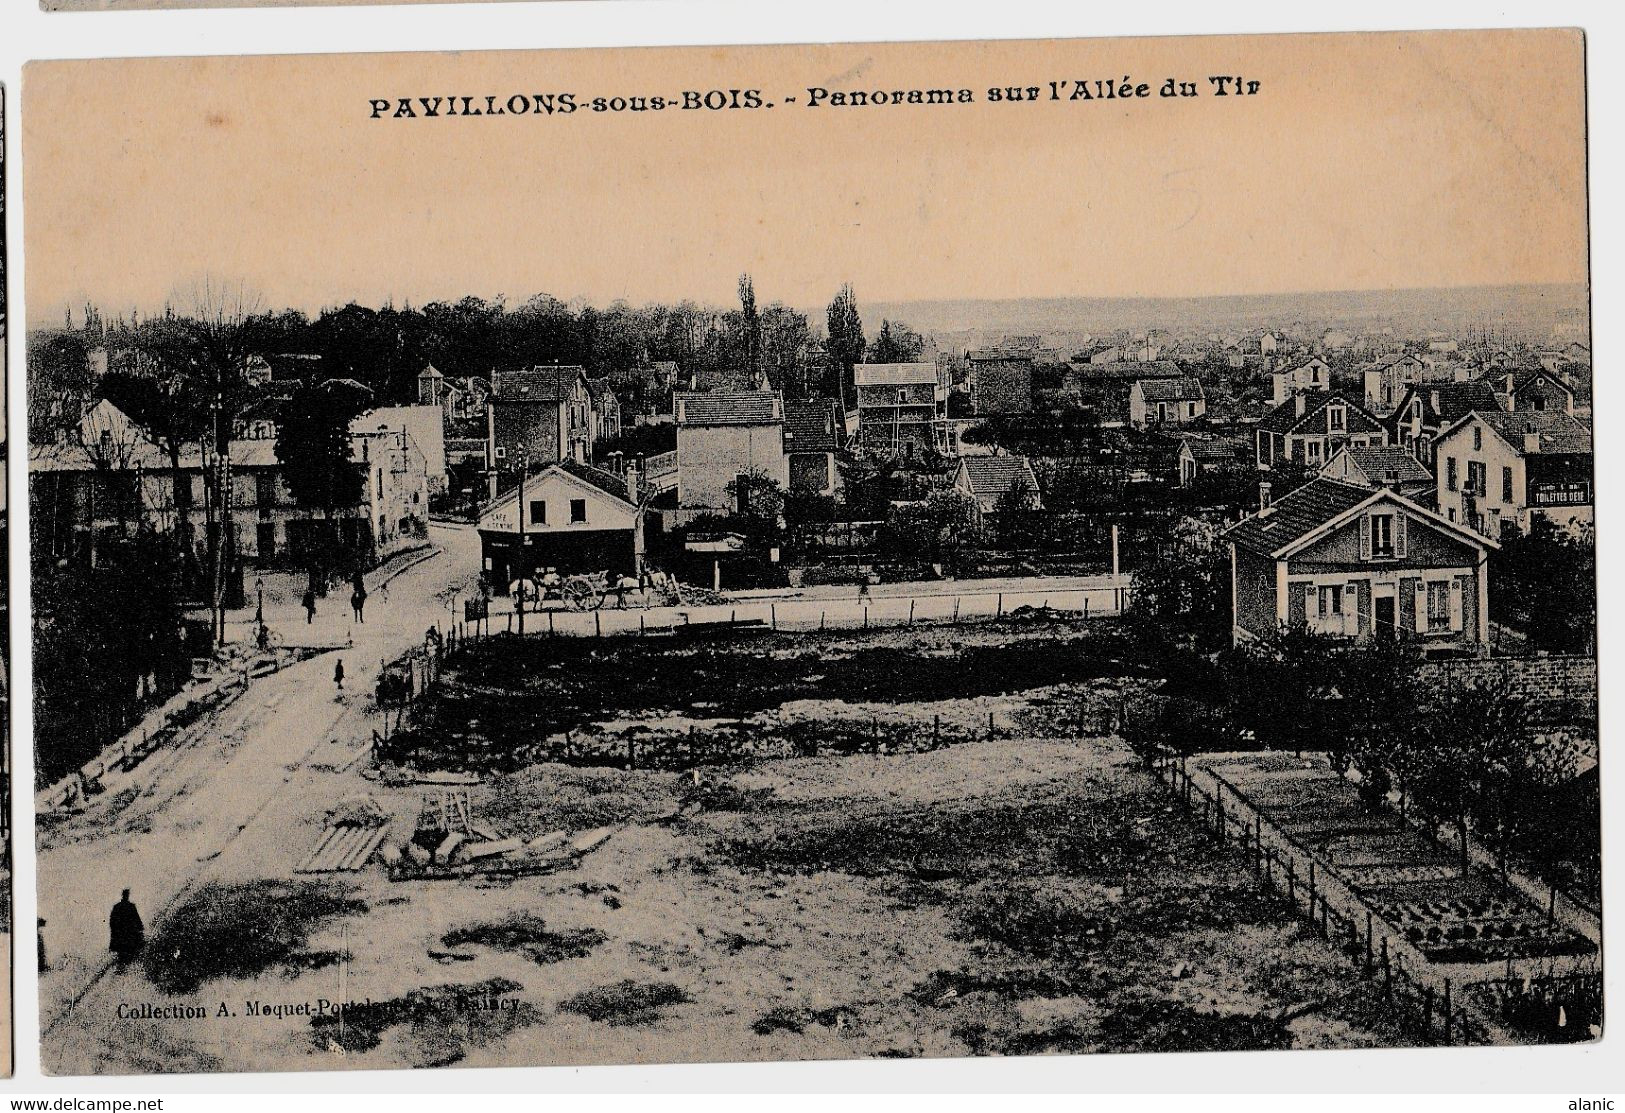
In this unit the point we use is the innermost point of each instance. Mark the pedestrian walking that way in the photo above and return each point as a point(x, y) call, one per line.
point(39, 928)
point(338, 674)
point(126, 933)
point(863, 592)
point(309, 602)
point(358, 603)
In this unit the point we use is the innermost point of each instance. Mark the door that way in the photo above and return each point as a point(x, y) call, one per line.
point(1384, 618)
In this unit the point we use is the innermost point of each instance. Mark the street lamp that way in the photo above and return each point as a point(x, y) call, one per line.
point(259, 606)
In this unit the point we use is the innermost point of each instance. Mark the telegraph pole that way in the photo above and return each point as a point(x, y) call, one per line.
point(524, 466)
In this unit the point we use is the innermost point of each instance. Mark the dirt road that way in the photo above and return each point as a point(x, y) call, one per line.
point(236, 803)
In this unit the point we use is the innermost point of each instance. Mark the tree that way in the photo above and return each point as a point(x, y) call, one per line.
point(1546, 585)
point(758, 506)
point(846, 346)
point(313, 447)
point(1185, 588)
point(896, 343)
point(1283, 689)
point(945, 529)
point(751, 327)
point(1457, 763)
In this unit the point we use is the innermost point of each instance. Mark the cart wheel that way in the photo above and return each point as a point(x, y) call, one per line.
point(578, 595)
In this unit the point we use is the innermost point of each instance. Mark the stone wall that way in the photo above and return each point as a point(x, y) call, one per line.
point(1560, 690)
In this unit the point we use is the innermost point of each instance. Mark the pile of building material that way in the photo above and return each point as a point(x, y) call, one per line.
point(354, 830)
point(449, 843)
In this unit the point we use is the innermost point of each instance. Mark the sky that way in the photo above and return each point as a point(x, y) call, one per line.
point(1364, 161)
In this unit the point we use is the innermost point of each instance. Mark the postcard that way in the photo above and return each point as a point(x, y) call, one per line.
point(812, 552)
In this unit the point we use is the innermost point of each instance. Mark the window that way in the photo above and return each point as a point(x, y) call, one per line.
point(1331, 601)
point(1382, 535)
point(1312, 450)
point(1162, 411)
point(1439, 605)
point(1506, 484)
point(1478, 438)
point(1477, 479)
point(578, 510)
point(538, 512)
point(502, 453)
point(1193, 410)
point(1337, 418)
point(1450, 483)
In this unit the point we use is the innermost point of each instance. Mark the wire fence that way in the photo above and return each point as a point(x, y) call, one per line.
point(1432, 1005)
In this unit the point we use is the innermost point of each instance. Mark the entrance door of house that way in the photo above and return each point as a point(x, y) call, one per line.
point(1384, 615)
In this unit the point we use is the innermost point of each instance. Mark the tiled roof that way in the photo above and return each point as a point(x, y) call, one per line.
point(1558, 432)
point(996, 475)
point(728, 407)
point(1378, 462)
point(811, 426)
point(1291, 516)
point(603, 480)
point(894, 374)
point(1127, 369)
point(601, 391)
point(1446, 403)
point(997, 355)
point(1171, 390)
point(1285, 417)
point(537, 384)
point(1209, 449)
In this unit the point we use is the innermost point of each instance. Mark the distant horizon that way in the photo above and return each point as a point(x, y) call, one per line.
point(47, 321)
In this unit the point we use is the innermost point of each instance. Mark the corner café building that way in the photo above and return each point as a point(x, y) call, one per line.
point(570, 517)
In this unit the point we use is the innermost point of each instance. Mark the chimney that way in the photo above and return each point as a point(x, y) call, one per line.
point(1531, 441)
point(1508, 383)
point(634, 479)
point(1264, 495)
point(1298, 401)
point(1433, 399)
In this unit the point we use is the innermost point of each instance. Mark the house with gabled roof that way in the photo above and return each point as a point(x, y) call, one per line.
point(723, 435)
point(569, 517)
point(1312, 426)
point(1536, 390)
point(1501, 470)
point(1427, 409)
point(1312, 373)
point(990, 480)
point(1385, 380)
point(1205, 455)
point(812, 438)
point(1165, 402)
point(1356, 562)
point(1383, 465)
point(541, 413)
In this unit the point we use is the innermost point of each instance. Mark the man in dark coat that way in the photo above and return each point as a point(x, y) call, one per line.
point(127, 934)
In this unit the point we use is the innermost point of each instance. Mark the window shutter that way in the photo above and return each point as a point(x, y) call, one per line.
point(1399, 534)
point(1421, 606)
point(1365, 537)
point(1455, 604)
point(1351, 609)
point(1311, 607)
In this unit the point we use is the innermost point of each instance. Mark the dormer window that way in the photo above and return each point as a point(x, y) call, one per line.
point(1337, 418)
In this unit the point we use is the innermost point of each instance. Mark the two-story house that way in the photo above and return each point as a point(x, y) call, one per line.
point(1310, 427)
point(1001, 381)
point(1313, 373)
point(725, 434)
point(569, 517)
point(1499, 470)
point(1357, 562)
point(812, 438)
point(543, 413)
point(1385, 380)
point(1426, 409)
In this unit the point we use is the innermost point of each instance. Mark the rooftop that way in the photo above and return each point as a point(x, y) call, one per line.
point(728, 407)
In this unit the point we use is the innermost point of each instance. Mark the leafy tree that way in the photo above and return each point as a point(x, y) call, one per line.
point(313, 446)
point(758, 506)
point(1283, 689)
point(1545, 584)
point(751, 326)
point(846, 346)
point(896, 343)
point(1185, 588)
point(945, 529)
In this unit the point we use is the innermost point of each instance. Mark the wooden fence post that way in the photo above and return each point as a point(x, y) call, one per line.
point(911, 612)
point(936, 731)
point(1000, 613)
point(1387, 972)
point(773, 615)
point(1447, 1011)
point(956, 609)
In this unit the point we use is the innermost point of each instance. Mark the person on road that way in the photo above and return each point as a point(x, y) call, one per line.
point(126, 933)
point(309, 602)
point(358, 602)
point(338, 674)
